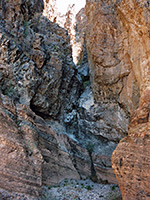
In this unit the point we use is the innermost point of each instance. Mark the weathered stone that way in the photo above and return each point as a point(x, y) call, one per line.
point(32, 154)
point(20, 158)
point(130, 159)
point(37, 72)
point(110, 61)
point(96, 128)
point(35, 62)
point(84, 124)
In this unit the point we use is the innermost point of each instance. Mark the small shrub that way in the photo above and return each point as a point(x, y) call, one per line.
point(49, 187)
point(123, 139)
point(26, 28)
point(113, 187)
point(44, 197)
point(19, 123)
point(88, 187)
point(66, 181)
point(86, 83)
point(90, 147)
point(10, 91)
point(114, 196)
point(56, 48)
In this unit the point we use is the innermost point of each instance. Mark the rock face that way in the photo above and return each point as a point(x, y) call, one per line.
point(31, 153)
point(130, 159)
point(37, 80)
point(36, 72)
point(74, 22)
point(114, 85)
point(118, 45)
point(45, 134)
point(20, 158)
point(109, 57)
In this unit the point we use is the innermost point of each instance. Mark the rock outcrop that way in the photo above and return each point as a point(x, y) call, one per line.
point(21, 160)
point(109, 57)
point(32, 154)
point(74, 22)
point(37, 81)
point(114, 85)
point(130, 160)
point(118, 49)
point(46, 128)
point(35, 67)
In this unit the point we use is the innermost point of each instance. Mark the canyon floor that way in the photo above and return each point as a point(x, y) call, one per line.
point(81, 190)
point(70, 189)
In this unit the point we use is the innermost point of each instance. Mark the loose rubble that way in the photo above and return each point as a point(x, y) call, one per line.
point(81, 190)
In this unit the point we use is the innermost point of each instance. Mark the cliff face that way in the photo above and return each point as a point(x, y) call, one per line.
point(118, 50)
point(46, 126)
point(130, 160)
point(114, 86)
point(73, 21)
point(37, 78)
point(110, 61)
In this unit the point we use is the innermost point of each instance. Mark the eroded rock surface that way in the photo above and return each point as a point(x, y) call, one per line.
point(21, 160)
point(130, 159)
point(31, 153)
point(42, 139)
point(36, 72)
point(109, 57)
point(115, 88)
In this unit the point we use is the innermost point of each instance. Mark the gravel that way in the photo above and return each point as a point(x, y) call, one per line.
point(71, 190)
point(81, 190)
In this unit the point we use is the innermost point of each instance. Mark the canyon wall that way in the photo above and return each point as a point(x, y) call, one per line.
point(37, 81)
point(50, 128)
point(131, 158)
point(118, 49)
point(113, 80)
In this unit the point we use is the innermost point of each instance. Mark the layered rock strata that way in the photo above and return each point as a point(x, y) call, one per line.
point(115, 87)
point(41, 127)
point(36, 72)
point(130, 159)
point(21, 160)
point(110, 62)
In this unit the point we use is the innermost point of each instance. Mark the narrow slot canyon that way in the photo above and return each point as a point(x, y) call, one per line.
point(74, 100)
